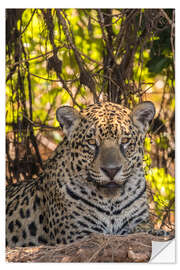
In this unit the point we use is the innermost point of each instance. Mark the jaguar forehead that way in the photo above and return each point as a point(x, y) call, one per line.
point(105, 110)
point(108, 118)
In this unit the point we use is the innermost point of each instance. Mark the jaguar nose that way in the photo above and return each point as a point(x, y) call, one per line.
point(111, 172)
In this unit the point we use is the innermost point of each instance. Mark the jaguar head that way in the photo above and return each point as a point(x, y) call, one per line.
point(106, 142)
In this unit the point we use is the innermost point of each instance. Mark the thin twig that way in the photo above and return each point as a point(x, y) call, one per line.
point(51, 80)
point(167, 17)
point(27, 23)
point(35, 124)
point(33, 58)
point(97, 251)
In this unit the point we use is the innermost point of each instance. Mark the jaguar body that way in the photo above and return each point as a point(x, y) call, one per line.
point(94, 181)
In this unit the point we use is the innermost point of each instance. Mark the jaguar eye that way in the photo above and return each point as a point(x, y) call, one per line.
point(124, 140)
point(92, 142)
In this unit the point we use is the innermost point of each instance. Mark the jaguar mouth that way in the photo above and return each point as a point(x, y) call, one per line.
point(110, 185)
point(111, 189)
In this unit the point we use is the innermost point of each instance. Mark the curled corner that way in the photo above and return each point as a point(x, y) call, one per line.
point(163, 252)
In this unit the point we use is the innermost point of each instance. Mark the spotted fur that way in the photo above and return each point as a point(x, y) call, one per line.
point(94, 182)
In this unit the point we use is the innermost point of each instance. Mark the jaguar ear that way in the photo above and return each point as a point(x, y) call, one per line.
point(68, 117)
point(143, 114)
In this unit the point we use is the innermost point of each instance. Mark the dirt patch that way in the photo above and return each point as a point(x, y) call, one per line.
point(95, 248)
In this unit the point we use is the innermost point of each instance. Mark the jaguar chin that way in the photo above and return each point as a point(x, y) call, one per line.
point(111, 188)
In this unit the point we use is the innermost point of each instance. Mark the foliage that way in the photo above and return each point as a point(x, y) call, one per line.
point(81, 56)
point(163, 186)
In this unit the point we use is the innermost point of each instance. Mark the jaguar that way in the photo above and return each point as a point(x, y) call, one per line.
point(94, 181)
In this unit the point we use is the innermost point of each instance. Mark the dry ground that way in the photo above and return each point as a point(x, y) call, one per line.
point(94, 248)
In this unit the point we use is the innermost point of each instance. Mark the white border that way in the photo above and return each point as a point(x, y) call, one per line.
point(74, 4)
point(90, 4)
